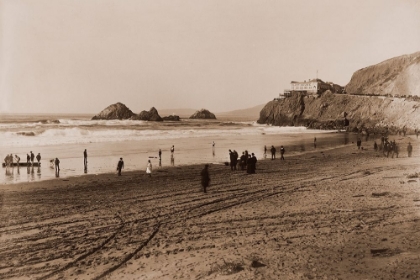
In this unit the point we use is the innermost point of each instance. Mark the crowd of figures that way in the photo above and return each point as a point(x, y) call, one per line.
point(9, 160)
point(247, 161)
point(389, 148)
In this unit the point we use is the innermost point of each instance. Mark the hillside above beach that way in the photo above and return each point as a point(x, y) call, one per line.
point(398, 76)
point(381, 98)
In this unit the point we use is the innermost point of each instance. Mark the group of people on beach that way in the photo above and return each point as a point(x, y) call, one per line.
point(30, 158)
point(390, 147)
point(247, 161)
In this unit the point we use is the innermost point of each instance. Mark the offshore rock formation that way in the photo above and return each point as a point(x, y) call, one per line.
point(203, 114)
point(151, 115)
point(398, 76)
point(171, 118)
point(330, 111)
point(117, 111)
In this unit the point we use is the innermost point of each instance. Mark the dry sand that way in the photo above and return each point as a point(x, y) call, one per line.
point(337, 214)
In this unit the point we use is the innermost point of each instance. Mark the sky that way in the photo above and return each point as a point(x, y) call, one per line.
point(73, 56)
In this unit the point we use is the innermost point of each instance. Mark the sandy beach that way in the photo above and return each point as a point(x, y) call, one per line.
point(333, 214)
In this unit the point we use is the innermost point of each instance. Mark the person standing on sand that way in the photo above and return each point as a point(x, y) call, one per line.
point(172, 150)
point(57, 165)
point(38, 158)
point(409, 149)
point(120, 166)
point(282, 151)
point(32, 158)
point(28, 159)
point(233, 159)
point(359, 143)
point(149, 168)
point(160, 154)
point(315, 142)
point(85, 159)
point(205, 178)
point(17, 160)
point(273, 152)
point(375, 146)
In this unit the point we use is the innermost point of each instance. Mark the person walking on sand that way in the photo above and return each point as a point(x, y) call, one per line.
point(359, 142)
point(85, 158)
point(149, 168)
point(282, 151)
point(57, 165)
point(38, 158)
point(273, 152)
point(120, 166)
point(205, 178)
point(409, 149)
point(32, 158)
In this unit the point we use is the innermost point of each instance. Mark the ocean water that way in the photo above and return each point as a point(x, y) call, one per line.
point(66, 137)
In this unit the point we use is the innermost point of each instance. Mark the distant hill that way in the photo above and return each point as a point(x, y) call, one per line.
point(252, 113)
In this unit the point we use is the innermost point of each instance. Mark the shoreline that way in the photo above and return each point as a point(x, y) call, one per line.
point(107, 175)
point(338, 214)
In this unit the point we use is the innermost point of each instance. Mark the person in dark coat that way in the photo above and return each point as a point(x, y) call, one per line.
point(120, 166)
point(205, 178)
point(243, 161)
point(409, 149)
point(28, 159)
point(254, 162)
point(32, 157)
point(38, 157)
point(85, 158)
point(232, 160)
point(359, 142)
point(57, 165)
point(273, 152)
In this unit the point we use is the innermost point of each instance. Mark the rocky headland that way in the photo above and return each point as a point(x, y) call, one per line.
point(203, 114)
point(380, 98)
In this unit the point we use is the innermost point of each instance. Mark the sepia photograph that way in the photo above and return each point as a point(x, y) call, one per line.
point(209, 139)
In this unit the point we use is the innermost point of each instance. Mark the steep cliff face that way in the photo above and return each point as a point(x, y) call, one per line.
point(329, 111)
point(203, 114)
point(117, 111)
point(398, 76)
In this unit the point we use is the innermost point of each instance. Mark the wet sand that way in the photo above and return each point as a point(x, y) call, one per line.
point(336, 214)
